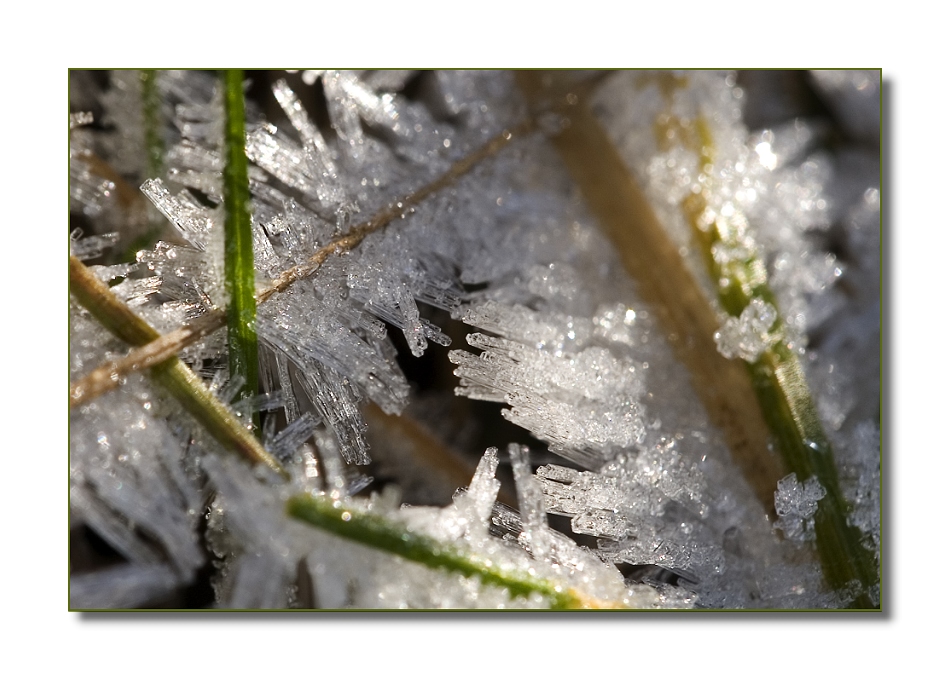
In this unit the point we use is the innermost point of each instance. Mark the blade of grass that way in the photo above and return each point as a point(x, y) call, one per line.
point(152, 122)
point(388, 536)
point(154, 159)
point(779, 383)
point(238, 243)
point(172, 373)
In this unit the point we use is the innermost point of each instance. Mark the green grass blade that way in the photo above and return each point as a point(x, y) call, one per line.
point(787, 405)
point(152, 124)
point(388, 536)
point(151, 108)
point(238, 243)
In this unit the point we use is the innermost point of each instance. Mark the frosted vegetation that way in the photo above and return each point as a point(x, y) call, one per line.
point(475, 404)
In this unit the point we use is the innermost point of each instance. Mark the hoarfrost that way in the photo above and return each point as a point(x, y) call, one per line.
point(482, 492)
point(194, 222)
point(796, 505)
point(79, 119)
point(320, 161)
point(749, 335)
point(563, 342)
point(582, 400)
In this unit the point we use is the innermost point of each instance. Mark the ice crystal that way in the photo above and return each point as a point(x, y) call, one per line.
point(749, 335)
point(796, 504)
point(79, 119)
point(318, 157)
point(92, 246)
point(582, 399)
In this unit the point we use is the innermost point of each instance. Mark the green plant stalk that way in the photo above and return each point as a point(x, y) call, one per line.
point(787, 406)
point(172, 373)
point(238, 243)
point(380, 533)
point(154, 158)
point(152, 124)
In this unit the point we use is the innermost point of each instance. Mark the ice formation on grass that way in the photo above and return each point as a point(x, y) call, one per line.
point(780, 195)
point(561, 341)
point(346, 356)
point(256, 543)
point(749, 335)
point(766, 191)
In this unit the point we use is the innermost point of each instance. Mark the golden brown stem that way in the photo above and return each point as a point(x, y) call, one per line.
point(172, 373)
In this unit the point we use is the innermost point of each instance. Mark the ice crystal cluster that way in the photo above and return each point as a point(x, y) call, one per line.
point(796, 505)
point(610, 482)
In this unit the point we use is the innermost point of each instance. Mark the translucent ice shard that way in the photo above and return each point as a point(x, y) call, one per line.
point(287, 326)
point(483, 490)
point(290, 439)
point(79, 119)
point(318, 156)
point(91, 246)
point(531, 502)
point(281, 157)
point(193, 221)
point(338, 405)
point(345, 114)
